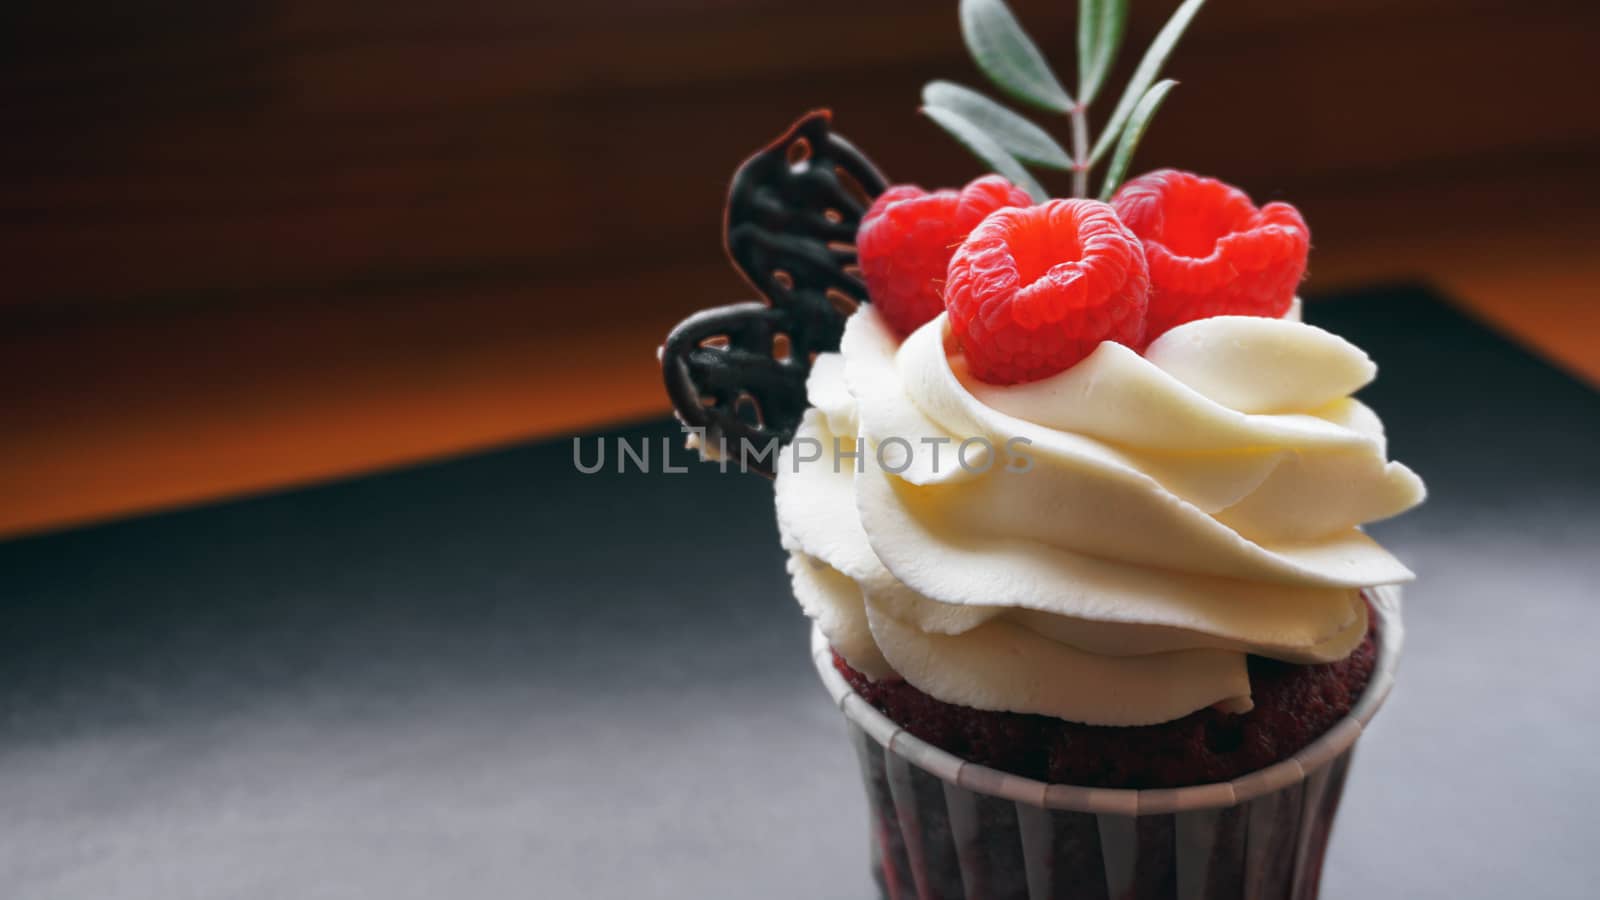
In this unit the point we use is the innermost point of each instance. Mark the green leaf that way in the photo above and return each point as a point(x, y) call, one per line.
point(1013, 133)
point(1003, 51)
point(1138, 122)
point(1145, 75)
point(1101, 24)
point(1088, 32)
point(984, 148)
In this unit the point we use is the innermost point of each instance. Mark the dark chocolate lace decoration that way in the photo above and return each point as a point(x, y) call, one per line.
point(739, 371)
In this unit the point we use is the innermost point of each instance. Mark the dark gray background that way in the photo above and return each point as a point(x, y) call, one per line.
point(494, 677)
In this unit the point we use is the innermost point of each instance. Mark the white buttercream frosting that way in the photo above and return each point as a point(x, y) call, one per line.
point(1120, 536)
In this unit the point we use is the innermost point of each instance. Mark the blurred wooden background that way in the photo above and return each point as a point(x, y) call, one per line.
point(269, 241)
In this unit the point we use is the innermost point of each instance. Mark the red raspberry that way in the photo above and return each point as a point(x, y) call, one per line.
point(1032, 291)
point(906, 239)
point(1211, 252)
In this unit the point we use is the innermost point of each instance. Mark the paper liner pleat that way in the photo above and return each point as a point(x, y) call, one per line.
point(891, 866)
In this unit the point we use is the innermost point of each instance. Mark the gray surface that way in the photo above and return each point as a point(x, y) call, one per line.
point(496, 678)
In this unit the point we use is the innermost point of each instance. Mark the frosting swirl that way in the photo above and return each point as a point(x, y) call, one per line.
point(1105, 545)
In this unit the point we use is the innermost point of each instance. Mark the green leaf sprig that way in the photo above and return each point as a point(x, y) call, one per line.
point(1007, 142)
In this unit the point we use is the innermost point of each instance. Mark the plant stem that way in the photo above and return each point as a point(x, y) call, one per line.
point(1080, 151)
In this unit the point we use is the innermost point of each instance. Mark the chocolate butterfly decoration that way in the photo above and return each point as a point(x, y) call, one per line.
point(739, 372)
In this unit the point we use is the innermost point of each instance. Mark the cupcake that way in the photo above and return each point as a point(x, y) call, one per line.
point(1071, 495)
